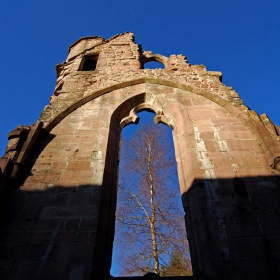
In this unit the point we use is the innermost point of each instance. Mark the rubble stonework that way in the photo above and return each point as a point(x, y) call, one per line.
point(59, 176)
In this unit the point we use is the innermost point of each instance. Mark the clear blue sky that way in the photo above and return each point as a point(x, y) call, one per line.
point(239, 38)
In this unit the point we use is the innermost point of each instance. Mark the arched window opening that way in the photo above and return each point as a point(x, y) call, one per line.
point(153, 65)
point(150, 234)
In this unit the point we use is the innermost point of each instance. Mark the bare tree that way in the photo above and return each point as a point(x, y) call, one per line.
point(149, 218)
point(178, 265)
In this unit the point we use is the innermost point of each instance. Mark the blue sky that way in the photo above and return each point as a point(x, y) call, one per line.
point(239, 38)
point(146, 118)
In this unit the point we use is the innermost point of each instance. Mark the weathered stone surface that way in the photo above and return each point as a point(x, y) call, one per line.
point(12, 145)
point(18, 131)
point(60, 215)
point(3, 163)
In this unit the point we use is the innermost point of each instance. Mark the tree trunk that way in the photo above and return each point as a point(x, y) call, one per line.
point(153, 213)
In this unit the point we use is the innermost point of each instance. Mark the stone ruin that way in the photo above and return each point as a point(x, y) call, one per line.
point(58, 181)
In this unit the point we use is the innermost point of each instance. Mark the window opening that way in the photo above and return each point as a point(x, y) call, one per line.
point(153, 65)
point(150, 234)
point(90, 63)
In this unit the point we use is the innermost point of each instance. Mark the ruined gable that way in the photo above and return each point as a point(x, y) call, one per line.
point(59, 176)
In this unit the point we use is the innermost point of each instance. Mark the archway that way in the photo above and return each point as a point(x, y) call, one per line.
point(150, 233)
point(124, 114)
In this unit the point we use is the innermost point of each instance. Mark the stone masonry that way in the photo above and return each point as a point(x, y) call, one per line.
point(58, 177)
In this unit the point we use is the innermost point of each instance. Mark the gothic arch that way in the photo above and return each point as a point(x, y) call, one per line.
point(56, 117)
point(247, 117)
point(123, 114)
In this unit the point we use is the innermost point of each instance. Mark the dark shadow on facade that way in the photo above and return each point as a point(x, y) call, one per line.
point(233, 227)
point(53, 234)
point(49, 234)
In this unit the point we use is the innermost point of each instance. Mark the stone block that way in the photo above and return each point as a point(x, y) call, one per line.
point(92, 237)
point(65, 212)
point(88, 224)
point(210, 146)
point(242, 145)
point(200, 114)
point(81, 238)
point(44, 225)
point(32, 252)
point(245, 269)
point(64, 237)
point(26, 270)
point(80, 253)
point(12, 144)
point(72, 225)
point(3, 163)
point(256, 160)
point(12, 238)
point(74, 178)
point(58, 165)
point(38, 238)
point(18, 131)
point(270, 226)
point(78, 166)
point(50, 270)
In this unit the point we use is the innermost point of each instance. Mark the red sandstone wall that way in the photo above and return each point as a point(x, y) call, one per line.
point(59, 222)
point(75, 156)
point(211, 145)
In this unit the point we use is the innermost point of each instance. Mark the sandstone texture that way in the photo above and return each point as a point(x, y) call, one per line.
point(58, 179)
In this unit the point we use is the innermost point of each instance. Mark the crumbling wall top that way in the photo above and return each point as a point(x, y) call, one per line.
point(82, 45)
point(89, 42)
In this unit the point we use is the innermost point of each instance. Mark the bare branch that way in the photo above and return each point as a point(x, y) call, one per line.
point(150, 227)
